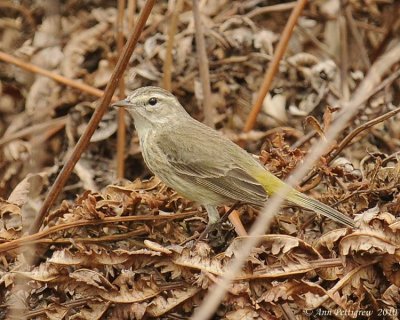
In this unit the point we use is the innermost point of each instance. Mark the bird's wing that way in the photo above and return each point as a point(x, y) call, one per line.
point(204, 157)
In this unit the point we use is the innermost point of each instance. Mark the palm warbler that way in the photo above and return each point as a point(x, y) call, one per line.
point(201, 164)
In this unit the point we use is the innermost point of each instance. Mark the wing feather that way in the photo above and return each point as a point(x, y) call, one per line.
point(214, 162)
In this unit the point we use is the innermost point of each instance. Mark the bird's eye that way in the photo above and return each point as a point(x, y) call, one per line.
point(152, 101)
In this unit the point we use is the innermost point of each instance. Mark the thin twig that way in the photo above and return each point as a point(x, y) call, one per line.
point(52, 75)
point(344, 59)
point(234, 218)
point(26, 240)
point(326, 263)
point(68, 305)
point(320, 45)
point(131, 14)
point(40, 127)
point(357, 37)
point(272, 8)
point(22, 10)
point(203, 66)
point(273, 67)
point(94, 121)
point(358, 130)
point(304, 139)
point(348, 139)
point(382, 85)
point(370, 27)
point(356, 192)
point(121, 131)
point(140, 231)
point(388, 30)
point(170, 45)
point(378, 88)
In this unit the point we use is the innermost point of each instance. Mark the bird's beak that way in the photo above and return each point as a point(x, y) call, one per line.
point(121, 103)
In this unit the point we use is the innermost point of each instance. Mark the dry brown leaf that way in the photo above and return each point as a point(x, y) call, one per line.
point(376, 238)
point(129, 311)
point(75, 50)
point(56, 311)
point(100, 257)
point(169, 300)
point(45, 272)
point(244, 313)
point(390, 268)
point(130, 289)
point(94, 311)
point(307, 294)
point(92, 278)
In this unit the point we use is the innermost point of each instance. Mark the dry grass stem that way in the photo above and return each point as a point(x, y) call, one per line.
point(273, 67)
point(121, 132)
point(272, 8)
point(167, 68)
point(52, 75)
point(203, 66)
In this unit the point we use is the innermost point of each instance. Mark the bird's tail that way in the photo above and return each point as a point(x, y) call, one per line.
point(319, 207)
point(272, 184)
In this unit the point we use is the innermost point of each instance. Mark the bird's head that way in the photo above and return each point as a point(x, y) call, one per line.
point(150, 106)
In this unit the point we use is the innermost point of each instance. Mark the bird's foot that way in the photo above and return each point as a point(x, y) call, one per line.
point(213, 230)
point(215, 222)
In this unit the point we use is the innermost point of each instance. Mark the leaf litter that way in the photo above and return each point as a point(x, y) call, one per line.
point(126, 250)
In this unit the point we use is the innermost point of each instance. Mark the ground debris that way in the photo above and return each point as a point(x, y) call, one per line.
point(126, 250)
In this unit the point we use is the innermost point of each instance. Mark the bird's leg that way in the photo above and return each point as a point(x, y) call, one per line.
point(213, 214)
point(214, 219)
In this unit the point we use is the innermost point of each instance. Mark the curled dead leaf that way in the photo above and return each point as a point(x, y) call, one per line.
point(156, 247)
point(390, 266)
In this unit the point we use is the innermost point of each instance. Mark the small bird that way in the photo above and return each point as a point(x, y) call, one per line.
point(201, 164)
